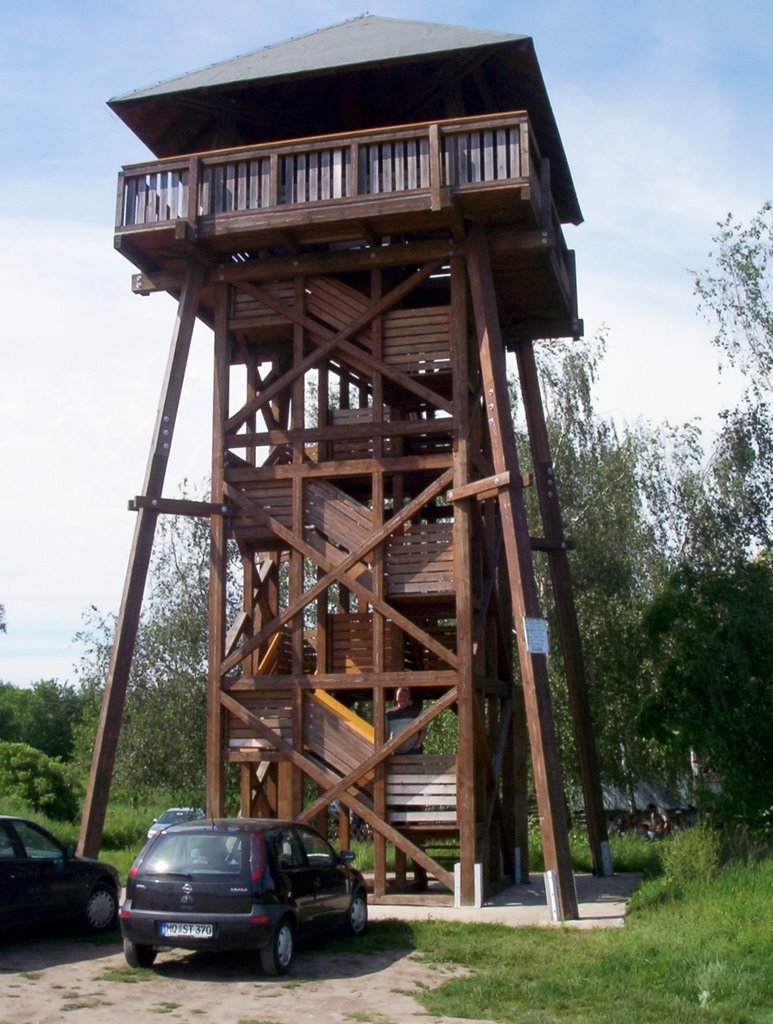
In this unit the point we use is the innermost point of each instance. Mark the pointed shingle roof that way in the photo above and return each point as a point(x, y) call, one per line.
point(367, 39)
point(364, 73)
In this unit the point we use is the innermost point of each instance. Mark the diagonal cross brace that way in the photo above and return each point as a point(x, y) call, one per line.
point(389, 748)
point(322, 778)
point(340, 340)
point(339, 571)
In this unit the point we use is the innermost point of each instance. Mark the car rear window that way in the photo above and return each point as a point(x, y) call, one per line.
point(193, 853)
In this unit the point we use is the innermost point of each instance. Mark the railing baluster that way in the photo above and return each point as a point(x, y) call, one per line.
point(374, 184)
point(253, 184)
point(352, 159)
point(400, 166)
point(386, 161)
point(241, 190)
point(362, 170)
point(219, 190)
point(462, 150)
point(287, 164)
point(265, 181)
point(501, 144)
point(129, 211)
point(488, 157)
point(424, 161)
point(163, 194)
point(325, 182)
point(190, 197)
point(206, 190)
point(314, 177)
point(230, 187)
point(142, 189)
point(301, 194)
point(476, 164)
point(337, 175)
point(412, 162)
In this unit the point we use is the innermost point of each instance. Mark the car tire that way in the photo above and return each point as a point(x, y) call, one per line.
point(277, 956)
point(101, 911)
point(138, 955)
point(357, 915)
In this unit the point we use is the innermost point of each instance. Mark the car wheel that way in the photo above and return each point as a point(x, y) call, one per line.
point(102, 908)
point(357, 915)
point(276, 957)
point(137, 955)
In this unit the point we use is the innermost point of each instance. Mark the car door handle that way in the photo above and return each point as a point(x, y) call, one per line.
point(317, 883)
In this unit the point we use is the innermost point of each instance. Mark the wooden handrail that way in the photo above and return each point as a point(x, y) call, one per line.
point(455, 154)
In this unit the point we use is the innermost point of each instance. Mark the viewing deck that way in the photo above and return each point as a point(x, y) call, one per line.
point(370, 188)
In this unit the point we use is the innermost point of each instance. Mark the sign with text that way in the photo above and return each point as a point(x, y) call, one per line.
point(536, 631)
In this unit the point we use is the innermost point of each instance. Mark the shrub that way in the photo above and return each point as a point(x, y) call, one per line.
point(35, 778)
point(693, 855)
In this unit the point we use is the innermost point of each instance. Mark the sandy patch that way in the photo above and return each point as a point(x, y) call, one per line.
point(67, 980)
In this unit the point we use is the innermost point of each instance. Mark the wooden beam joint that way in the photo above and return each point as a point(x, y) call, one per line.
point(179, 506)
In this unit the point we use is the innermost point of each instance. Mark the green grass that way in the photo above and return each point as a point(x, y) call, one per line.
point(700, 953)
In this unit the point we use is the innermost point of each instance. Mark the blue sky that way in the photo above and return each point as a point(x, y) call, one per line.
point(664, 110)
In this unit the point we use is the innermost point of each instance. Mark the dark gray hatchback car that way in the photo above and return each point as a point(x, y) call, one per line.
point(236, 884)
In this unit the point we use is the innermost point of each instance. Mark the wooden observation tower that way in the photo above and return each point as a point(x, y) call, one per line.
point(368, 218)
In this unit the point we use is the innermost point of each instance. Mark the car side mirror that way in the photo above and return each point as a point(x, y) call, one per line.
point(69, 852)
point(346, 857)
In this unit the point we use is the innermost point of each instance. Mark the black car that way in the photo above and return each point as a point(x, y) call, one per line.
point(236, 884)
point(42, 881)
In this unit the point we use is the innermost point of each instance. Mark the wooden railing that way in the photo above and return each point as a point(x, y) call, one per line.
point(455, 155)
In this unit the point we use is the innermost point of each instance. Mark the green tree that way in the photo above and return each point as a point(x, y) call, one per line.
point(608, 480)
point(711, 659)
point(736, 294)
point(163, 734)
point(43, 716)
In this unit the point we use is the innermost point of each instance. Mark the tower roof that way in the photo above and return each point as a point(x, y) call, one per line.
point(363, 73)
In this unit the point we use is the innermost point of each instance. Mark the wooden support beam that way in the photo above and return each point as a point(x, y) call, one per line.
point(571, 644)
point(523, 589)
point(428, 679)
point(334, 261)
point(473, 490)
point(365, 429)
point(114, 696)
point(218, 561)
point(179, 506)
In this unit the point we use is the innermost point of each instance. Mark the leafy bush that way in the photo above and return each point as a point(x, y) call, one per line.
point(35, 778)
point(686, 859)
point(693, 855)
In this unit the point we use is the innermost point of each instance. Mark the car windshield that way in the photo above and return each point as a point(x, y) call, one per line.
point(170, 817)
point(194, 854)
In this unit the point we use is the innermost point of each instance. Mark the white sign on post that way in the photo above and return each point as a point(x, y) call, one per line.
point(536, 631)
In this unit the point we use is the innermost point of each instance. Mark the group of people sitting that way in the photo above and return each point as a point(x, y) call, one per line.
point(653, 823)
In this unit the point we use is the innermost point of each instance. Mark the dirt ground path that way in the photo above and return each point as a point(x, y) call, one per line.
point(67, 980)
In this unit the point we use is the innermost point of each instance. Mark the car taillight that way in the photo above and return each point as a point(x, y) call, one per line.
point(134, 869)
point(262, 919)
point(125, 912)
point(257, 856)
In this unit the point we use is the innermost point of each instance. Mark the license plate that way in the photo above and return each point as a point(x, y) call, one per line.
point(186, 930)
